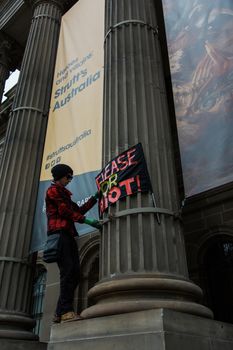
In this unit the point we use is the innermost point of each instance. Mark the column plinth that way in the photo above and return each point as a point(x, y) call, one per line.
point(143, 263)
point(20, 169)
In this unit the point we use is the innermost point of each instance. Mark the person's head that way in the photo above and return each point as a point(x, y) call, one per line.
point(62, 173)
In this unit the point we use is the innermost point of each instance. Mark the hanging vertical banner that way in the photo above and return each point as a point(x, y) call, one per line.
point(123, 176)
point(74, 132)
point(200, 46)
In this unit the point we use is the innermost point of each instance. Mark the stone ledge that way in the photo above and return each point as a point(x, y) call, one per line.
point(144, 330)
point(8, 344)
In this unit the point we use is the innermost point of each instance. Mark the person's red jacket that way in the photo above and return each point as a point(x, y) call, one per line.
point(62, 212)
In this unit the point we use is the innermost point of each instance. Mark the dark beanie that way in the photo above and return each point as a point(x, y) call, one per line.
point(61, 170)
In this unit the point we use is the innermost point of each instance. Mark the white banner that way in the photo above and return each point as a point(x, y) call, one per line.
point(74, 132)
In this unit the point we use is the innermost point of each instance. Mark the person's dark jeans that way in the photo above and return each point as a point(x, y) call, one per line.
point(69, 267)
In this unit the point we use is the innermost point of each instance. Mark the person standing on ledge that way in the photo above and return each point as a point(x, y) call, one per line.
point(62, 213)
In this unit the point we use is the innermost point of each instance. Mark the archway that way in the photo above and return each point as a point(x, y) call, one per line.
point(89, 259)
point(38, 296)
point(217, 276)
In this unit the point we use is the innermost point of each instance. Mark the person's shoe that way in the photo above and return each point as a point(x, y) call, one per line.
point(70, 316)
point(56, 319)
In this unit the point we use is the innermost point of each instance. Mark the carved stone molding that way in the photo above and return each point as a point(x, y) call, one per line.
point(8, 9)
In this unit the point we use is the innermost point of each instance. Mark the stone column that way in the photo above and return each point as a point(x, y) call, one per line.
point(143, 263)
point(20, 169)
point(5, 47)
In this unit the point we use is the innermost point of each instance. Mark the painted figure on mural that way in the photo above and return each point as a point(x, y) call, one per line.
point(62, 213)
point(200, 45)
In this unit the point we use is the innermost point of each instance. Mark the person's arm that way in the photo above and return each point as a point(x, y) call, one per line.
point(88, 205)
point(64, 209)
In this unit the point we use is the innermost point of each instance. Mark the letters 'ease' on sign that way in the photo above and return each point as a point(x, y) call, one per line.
point(123, 176)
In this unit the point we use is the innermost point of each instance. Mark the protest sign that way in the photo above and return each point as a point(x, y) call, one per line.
point(123, 176)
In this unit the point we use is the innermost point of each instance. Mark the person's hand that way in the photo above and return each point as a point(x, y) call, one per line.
point(97, 224)
point(93, 222)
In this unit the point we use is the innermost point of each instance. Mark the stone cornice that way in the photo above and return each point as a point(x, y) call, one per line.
point(8, 9)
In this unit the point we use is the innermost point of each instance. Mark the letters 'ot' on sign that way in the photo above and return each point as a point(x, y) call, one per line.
point(123, 176)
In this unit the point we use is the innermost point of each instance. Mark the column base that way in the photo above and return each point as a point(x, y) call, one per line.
point(137, 294)
point(16, 326)
point(160, 329)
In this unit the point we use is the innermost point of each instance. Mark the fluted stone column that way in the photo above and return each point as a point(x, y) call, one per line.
point(20, 168)
point(143, 263)
point(5, 46)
